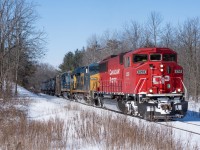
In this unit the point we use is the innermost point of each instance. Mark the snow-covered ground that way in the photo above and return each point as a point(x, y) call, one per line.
point(44, 107)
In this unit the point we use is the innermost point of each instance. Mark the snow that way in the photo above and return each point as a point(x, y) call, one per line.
point(44, 107)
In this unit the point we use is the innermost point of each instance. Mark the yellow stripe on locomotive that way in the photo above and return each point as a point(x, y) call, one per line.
point(94, 82)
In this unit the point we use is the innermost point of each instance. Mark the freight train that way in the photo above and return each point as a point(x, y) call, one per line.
point(147, 82)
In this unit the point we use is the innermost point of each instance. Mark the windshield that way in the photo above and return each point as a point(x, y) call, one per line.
point(140, 58)
point(94, 68)
point(169, 57)
point(155, 57)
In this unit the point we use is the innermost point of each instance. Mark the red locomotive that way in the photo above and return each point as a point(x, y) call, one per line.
point(147, 82)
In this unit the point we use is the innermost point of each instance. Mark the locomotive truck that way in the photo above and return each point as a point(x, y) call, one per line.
point(147, 82)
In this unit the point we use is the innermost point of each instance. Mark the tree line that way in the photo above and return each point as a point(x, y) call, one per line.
point(21, 44)
point(184, 38)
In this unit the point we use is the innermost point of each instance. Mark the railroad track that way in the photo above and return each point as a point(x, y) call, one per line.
point(174, 127)
point(187, 123)
point(166, 124)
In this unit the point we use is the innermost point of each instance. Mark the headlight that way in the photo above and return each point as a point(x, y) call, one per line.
point(150, 91)
point(161, 66)
point(161, 70)
point(179, 90)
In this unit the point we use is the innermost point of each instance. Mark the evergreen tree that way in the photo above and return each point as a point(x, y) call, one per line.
point(78, 58)
point(68, 62)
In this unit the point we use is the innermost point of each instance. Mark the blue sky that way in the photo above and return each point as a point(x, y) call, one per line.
point(69, 23)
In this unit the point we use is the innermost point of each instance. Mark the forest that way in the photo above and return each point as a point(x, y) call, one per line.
point(22, 46)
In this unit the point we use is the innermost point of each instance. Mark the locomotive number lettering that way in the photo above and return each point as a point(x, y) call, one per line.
point(178, 71)
point(141, 72)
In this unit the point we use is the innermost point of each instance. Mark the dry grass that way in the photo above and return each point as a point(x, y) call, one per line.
point(82, 128)
point(18, 133)
point(109, 131)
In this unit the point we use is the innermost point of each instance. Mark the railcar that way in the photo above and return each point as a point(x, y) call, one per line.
point(63, 84)
point(85, 81)
point(48, 87)
point(146, 82)
point(43, 87)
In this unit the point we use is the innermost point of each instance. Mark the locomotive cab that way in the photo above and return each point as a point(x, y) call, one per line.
point(158, 88)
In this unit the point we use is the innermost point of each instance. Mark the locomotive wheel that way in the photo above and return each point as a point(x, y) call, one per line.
point(73, 97)
point(149, 117)
point(98, 102)
point(122, 106)
point(145, 116)
point(66, 95)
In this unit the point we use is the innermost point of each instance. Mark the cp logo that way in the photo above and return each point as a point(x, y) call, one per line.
point(160, 79)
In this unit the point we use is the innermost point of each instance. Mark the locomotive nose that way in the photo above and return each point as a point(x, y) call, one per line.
point(166, 77)
point(161, 78)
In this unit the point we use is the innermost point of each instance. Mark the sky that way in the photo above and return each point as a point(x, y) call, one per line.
point(69, 23)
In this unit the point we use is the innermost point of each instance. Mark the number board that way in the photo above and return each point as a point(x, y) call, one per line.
point(141, 72)
point(178, 71)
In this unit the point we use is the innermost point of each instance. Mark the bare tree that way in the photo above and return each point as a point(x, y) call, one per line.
point(154, 25)
point(146, 39)
point(109, 44)
point(188, 38)
point(19, 40)
point(168, 37)
point(132, 35)
point(91, 54)
point(43, 72)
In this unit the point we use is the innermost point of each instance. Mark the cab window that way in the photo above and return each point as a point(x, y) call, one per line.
point(103, 67)
point(140, 58)
point(94, 68)
point(169, 57)
point(155, 57)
